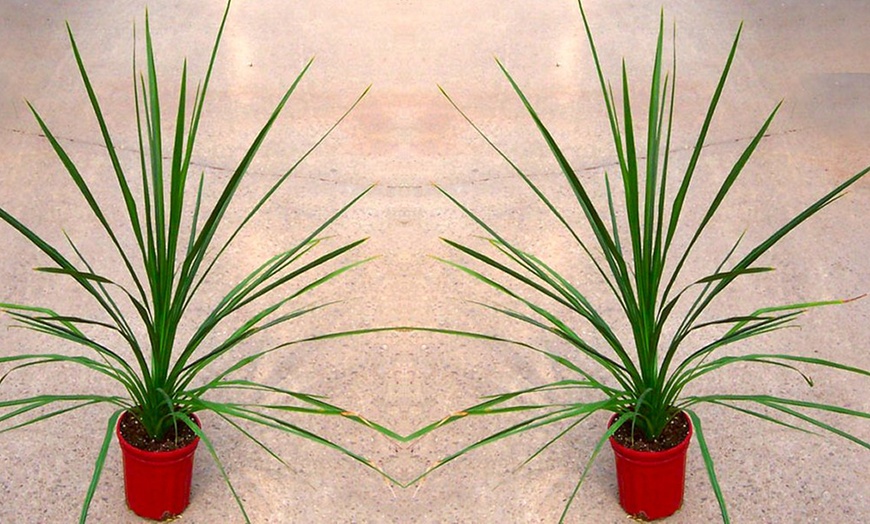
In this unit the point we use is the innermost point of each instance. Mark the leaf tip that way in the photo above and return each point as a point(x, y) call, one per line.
point(853, 299)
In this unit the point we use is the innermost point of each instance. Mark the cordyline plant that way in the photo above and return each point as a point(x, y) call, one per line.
point(640, 379)
point(160, 371)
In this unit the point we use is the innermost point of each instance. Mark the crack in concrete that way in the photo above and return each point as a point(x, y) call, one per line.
point(200, 165)
point(708, 145)
point(595, 167)
point(61, 138)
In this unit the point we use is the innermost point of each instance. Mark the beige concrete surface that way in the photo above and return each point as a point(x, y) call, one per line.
point(404, 136)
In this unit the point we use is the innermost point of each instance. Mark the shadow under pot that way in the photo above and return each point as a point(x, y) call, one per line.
point(156, 483)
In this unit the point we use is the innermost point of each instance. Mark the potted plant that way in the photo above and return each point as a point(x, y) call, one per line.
point(637, 252)
point(169, 366)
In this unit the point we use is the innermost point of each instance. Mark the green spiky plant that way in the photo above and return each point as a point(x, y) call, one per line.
point(640, 379)
point(167, 378)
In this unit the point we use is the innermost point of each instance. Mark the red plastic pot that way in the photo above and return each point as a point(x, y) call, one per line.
point(157, 483)
point(651, 483)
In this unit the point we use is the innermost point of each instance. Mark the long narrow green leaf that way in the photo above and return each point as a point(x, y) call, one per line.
point(595, 451)
point(526, 425)
point(708, 463)
point(764, 246)
point(98, 465)
point(680, 197)
point(129, 202)
point(541, 196)
point(735, 172)
point(615, 261)
point(177, 175)
point(194, 258)
point(210, 447)
point(155, 150)
point(199, 99)
point(625, 359)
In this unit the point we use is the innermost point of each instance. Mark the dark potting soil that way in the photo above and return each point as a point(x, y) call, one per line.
point(674, 433)
point(134, 432)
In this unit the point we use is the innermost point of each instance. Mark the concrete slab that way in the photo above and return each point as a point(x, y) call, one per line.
point(404, 136)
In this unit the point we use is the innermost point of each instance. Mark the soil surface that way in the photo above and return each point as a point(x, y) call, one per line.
point(674, 433)
point(176, 438)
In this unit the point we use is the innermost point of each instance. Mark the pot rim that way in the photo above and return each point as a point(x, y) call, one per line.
point(159, 455)
point(654, 455)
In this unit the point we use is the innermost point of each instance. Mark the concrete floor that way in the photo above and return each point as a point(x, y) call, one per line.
point(815, 55)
